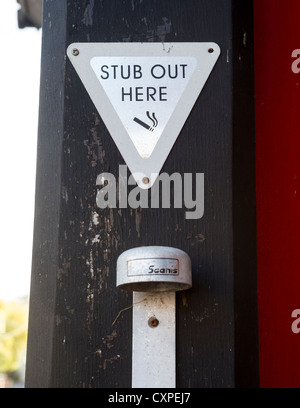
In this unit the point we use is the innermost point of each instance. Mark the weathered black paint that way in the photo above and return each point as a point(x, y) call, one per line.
point(74, 339)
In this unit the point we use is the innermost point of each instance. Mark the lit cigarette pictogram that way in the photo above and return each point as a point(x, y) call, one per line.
point(145, 125)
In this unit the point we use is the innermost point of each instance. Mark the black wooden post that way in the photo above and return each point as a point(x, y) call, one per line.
point(77, 335)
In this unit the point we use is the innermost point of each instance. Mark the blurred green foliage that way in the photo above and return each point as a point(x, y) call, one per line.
point(13, 335)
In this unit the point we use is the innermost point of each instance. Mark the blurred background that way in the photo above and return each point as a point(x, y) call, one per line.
point(19, 84)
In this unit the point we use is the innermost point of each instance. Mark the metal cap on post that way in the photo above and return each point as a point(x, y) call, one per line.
point(154, 269)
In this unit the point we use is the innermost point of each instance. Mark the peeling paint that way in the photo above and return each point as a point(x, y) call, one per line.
point(164, 29)
point(197, 238)
point(64, 193)
point(138, 220)
point(90, 263)
point(88, 14)
point(150, 33)
point(133, 3)
point(96, 239)
point(95, 150)
point(184, 300)
point(110, 361)
point(95, 218)
point(111, 218)
point(206, 313)
point(245, 40)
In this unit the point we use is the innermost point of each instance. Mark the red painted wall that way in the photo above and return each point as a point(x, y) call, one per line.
point(277, 34)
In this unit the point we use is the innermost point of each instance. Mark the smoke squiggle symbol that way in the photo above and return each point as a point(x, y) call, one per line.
point(153, 119)
point(144, 125)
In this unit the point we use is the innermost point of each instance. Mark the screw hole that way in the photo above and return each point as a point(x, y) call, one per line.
point(153, 322)
point(75, 52)
point(211, 50)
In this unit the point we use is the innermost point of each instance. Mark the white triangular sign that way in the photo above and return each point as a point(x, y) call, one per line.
point(144, 93)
